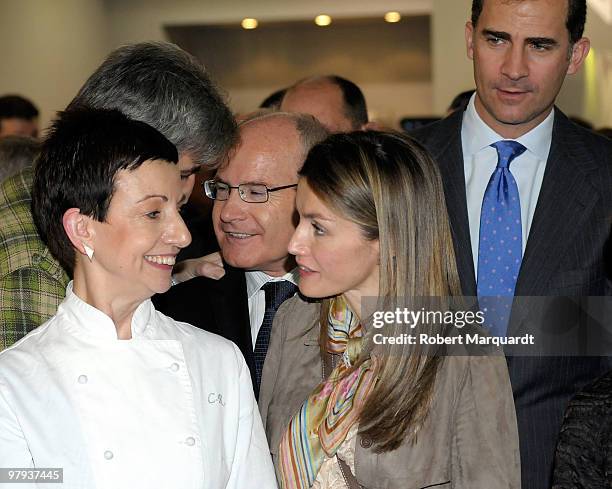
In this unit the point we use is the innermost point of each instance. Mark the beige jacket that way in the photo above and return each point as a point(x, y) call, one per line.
point(470, 440)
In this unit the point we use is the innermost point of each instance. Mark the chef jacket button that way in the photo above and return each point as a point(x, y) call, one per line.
point(82, 379)
point(190, 441)
point(174, 367)
point(108, 455)
point(365, 442)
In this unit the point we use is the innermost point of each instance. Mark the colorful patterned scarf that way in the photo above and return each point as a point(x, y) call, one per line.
point(324, 420)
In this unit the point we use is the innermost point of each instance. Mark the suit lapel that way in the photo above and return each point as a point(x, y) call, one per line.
point(565, 198)
point(449, 157)
point(231, 311)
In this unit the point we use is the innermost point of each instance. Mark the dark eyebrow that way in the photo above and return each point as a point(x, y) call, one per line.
point(154, 196)
point(499, 34)
point(547, 41)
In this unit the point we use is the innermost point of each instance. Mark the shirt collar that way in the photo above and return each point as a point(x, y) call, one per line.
point(86, 319)
point(256, 279)
point(477, 135)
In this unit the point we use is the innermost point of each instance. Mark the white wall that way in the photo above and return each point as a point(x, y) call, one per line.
point(597, 88)
point(452, 70)
point(134, 20)
point(144, 19)
point(49, 48)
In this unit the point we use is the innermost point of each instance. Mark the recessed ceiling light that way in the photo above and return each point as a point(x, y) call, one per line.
point(323, 20)
point(249, 23)
point(393, 17)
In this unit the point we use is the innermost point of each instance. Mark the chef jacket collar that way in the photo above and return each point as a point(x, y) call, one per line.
point(92, 322)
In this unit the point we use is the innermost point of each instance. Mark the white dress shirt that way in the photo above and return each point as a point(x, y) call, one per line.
point(480, 160)
point(171, 408)
point(256, 297)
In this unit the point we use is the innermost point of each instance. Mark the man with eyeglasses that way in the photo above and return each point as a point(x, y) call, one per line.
point(249, 192)
point(254, 218)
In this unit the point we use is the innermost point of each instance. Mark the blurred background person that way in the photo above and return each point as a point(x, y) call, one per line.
point(16, 154)
point(384, 415)
point(18, 117)
point(336, 102)
point(460, 102)
point(112, 391)
point(273, 101)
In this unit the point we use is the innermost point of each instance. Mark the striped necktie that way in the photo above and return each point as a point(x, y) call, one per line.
point(276, 294)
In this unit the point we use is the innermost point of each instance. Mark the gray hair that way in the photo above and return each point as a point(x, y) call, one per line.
point(160, 84)
point(17, 153)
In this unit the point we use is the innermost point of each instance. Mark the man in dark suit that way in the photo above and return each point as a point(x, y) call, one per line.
point(529, 196)
point(254, 218)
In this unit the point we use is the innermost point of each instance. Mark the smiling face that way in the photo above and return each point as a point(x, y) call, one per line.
point(522, 53)
point(254, 236)
point(136, 246)
point(332, 253)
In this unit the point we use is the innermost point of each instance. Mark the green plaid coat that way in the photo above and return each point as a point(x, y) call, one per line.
point(32, 282)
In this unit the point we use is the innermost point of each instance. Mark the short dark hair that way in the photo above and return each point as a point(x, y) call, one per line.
point(354, 101)
point(17, 107)
point(355, 108)
point(162, 85)
point(83, 151)
point(576, 17)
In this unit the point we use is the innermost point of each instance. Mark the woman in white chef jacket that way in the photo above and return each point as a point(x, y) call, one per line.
point(110, 390)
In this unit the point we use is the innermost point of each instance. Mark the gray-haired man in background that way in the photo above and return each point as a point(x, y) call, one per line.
point(153, 82)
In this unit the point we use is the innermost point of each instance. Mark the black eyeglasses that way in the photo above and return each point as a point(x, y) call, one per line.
point(256, 193)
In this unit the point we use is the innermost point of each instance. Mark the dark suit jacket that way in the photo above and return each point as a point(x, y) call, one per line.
point(567, 254)
point(218, 306)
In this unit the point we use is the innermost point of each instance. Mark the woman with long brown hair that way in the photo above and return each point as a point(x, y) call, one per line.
point(373, 232)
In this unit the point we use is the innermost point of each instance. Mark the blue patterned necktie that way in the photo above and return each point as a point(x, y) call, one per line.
point(276, 294)
point(500, 246)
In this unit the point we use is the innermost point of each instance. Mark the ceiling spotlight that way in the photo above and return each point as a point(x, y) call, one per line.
point(393, 17)
point(323, 20)
point(249, 23)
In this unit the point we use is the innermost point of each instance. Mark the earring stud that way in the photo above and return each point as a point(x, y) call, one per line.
point(89, 252)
